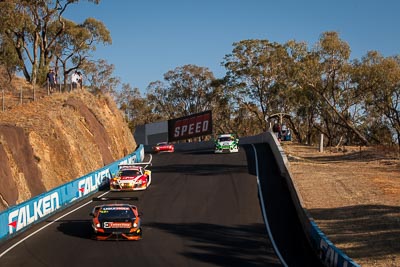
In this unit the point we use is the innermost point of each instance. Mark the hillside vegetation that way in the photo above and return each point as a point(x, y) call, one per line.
point(58, 138)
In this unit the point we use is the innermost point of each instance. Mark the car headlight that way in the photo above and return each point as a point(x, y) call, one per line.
point(98, 225)
point(135, 225)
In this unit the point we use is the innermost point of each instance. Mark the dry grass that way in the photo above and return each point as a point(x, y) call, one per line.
point(353, 193)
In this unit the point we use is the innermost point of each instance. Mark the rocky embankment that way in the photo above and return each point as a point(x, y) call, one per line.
point(56, 139)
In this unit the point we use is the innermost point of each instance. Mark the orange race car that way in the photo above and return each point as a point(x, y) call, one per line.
point(116, 221)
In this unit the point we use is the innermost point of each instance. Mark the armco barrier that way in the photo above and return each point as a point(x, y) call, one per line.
point(18, 218)
point(329, 254)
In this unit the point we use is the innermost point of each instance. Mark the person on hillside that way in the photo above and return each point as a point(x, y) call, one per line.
point(75, 80)
point(277, 130)
point(51, 80)
point(80, 79)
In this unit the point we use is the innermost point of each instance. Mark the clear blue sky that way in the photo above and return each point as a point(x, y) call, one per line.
point(154, 36)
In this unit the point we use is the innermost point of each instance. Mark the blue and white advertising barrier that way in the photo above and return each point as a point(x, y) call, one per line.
point(329, 254)
point(18, 218)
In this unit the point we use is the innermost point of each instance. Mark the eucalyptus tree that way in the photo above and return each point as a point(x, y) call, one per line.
point(326, 71)
point(186, 90)
point(304, 113)
point(137, 109)
point(74, 45)
point(254, 69)
point(9, 58)
point(100, 77)
point(161, 102)
point(224, 108)
point(33, 29)
point(300, 102)
point(378, 80)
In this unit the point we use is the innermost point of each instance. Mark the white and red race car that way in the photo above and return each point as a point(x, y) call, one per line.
point(131, 177)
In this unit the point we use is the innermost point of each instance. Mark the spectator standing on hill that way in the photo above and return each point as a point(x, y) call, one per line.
point(51, 80)
point(75, 80)
point(277, 130)
point(80, 79)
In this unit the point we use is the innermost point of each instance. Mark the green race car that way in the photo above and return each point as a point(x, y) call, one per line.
point(226, 143)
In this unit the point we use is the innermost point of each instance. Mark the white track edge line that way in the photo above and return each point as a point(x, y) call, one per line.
point(50, 223)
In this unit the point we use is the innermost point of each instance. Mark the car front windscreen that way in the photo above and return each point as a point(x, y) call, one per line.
point(113, 213)
point(162, 144)
point(130, 173)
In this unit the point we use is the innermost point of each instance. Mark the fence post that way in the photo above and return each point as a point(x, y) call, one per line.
point(33, 92)
point(20, 96)
point(321, 143)
point(2, 100)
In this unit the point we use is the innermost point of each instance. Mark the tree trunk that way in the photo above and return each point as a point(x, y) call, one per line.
point(345, 121)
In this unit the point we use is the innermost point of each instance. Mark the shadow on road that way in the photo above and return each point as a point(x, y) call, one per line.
point(200, 169)
point(224, 246)
point(76, 228)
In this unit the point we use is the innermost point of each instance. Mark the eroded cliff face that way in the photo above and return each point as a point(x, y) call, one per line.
point(56, 139)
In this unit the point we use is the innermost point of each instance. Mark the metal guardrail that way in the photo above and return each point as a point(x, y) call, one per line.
point(21, 96)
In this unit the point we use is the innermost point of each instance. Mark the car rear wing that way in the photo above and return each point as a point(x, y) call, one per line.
point(97, 208)
point(115, 198)
point(145, 164)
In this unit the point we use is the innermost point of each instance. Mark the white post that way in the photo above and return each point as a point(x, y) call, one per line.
point(321, 143)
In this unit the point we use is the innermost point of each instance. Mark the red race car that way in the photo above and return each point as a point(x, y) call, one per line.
point(116, 221)
point(164, 147)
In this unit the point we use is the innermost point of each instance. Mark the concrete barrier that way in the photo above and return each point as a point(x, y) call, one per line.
point(329, 254)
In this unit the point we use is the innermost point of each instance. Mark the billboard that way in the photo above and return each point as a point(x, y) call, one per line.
point(190, 126)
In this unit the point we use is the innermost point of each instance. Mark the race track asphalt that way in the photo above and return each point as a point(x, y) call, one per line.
point(202, 209)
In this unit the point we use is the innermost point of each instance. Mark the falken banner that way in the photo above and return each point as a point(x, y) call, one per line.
point(194, 125)
point(19, 217)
